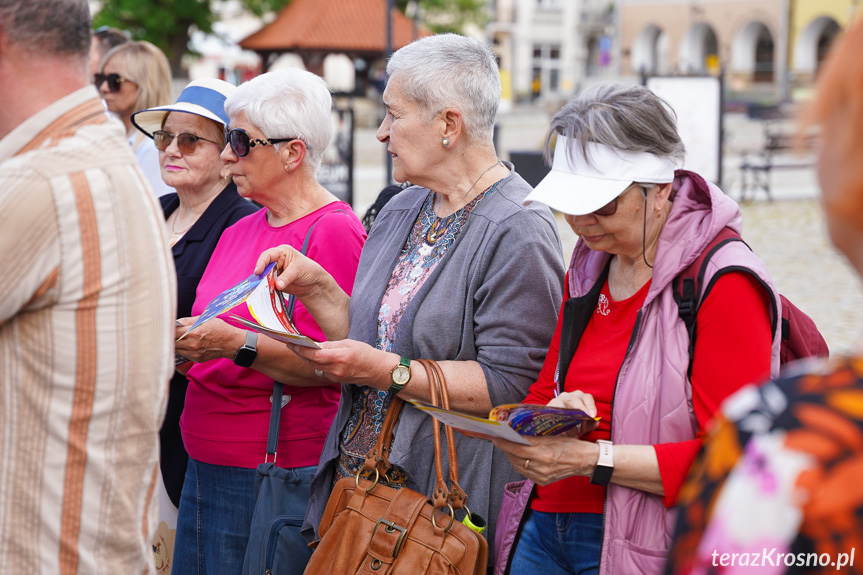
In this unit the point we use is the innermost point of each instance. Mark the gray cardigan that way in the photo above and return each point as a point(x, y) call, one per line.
point(493, 299)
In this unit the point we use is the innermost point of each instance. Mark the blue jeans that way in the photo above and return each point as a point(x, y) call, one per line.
point(214, 519)
point(558, 543)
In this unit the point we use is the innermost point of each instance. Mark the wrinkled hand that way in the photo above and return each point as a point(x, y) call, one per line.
point(577, 400)
point(349, 361)
point(300, 275)
point(213, 339)
point(551, 458)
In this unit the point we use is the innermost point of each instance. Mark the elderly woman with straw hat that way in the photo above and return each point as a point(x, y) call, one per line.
point(189, 135)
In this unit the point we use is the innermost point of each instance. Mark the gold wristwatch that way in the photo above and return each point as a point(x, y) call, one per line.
point(400, 375)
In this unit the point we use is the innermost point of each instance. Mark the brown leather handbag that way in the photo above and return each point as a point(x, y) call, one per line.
point(374, 529)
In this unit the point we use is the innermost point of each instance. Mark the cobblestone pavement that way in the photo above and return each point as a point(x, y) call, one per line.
point(788, 233)
point(790, 236)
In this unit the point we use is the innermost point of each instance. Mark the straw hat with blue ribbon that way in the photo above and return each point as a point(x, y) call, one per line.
point(204, 98)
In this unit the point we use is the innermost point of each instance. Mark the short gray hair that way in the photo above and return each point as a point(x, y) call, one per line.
point(47, 27)
point(451, 71)
point(622, 117)
point(288, 103)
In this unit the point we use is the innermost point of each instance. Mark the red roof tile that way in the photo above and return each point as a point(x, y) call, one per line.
point(340, 26)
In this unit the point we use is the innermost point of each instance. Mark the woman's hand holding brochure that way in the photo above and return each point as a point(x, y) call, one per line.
point(514, 421)
point(266, 305)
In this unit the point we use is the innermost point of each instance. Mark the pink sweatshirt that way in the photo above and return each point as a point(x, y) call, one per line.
point(227, 411)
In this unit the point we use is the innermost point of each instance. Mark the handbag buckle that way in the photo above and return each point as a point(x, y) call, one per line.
point(391, 527)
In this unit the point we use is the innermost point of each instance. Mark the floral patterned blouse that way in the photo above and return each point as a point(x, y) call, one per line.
point(426, 245)
point(778, 487)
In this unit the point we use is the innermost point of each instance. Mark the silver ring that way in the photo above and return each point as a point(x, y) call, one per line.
point(319, 373)
point(526, 463)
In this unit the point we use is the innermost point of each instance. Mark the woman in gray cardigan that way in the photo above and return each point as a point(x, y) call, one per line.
point(455, 269)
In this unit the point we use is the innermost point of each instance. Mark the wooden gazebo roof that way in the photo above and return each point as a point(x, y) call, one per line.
point(316, 28)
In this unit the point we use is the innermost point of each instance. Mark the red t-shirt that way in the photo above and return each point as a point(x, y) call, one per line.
point(600, 354)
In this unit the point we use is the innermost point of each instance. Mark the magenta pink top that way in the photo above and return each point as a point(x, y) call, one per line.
point(227, 411)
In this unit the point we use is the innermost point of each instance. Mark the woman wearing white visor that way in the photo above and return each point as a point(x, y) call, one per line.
point(602, 501)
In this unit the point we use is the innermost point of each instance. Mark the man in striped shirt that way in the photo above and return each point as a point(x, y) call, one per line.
point(87, 297)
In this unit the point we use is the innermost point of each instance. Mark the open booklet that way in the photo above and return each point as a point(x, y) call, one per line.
point(266, 305)
point(511, 421)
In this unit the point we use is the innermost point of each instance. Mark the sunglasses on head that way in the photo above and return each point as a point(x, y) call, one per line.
point(241, 144)
point(610, 208)
point(187, 143)
point(115, 81)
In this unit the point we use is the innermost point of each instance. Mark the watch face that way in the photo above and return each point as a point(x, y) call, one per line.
point(245, 357)
point(401, 375)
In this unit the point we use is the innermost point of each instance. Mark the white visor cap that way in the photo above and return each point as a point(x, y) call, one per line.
point(578, 187)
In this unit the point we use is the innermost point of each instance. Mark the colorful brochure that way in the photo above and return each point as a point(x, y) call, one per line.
point(511, 421)
point(266, 305)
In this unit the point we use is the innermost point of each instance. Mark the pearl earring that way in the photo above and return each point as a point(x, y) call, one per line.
point(445, 142)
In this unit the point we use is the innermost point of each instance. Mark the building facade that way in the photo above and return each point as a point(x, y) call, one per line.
point(766, 47)
point(549, 48)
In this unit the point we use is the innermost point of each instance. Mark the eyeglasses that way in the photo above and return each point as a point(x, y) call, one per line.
point(241, 143)
point(187, 143)
point(115, 81)
point(610, 208)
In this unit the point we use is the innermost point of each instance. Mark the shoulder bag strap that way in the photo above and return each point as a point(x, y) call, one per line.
point(378, 458)
point(278, 387)
point(453, 494)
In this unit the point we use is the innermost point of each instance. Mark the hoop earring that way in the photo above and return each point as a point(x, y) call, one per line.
point(445, 142)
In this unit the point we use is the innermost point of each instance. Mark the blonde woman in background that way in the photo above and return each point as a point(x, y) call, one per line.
point(134, 76)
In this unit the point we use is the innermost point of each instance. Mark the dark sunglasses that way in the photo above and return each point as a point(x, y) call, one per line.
point(187, 143)
point(241, 144)
point(610, 208)
point(115, 81)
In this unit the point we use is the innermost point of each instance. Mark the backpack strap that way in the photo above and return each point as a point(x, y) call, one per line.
point(690, 283)
point(577, 312)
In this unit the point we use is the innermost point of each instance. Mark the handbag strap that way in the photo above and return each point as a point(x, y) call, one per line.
point(378, 458)
point(453, 494)
point(278, 387)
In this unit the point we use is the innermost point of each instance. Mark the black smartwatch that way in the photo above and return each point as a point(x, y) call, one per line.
point(246, 355)
point(605, 466)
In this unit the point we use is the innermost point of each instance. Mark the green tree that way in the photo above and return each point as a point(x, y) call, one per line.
point(169, 23)
point(446, 15)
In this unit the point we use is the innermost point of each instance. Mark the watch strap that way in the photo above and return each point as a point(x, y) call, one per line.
point(246, 355)
point(397, 387)
point(605, 466)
